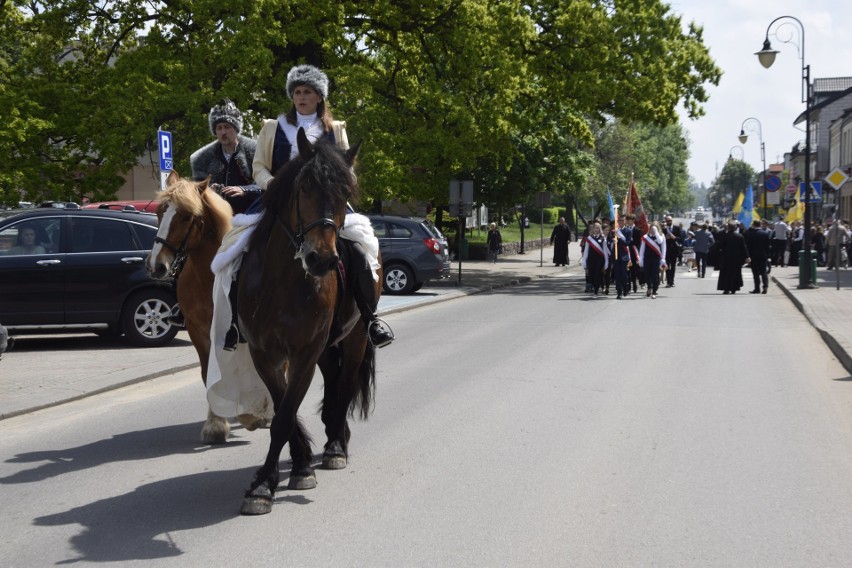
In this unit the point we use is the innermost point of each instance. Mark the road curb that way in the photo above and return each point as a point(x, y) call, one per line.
point(101, 390)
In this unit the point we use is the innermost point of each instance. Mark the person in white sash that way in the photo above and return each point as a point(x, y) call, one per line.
point(307, 87)
point(652, 257)
point(595, 257)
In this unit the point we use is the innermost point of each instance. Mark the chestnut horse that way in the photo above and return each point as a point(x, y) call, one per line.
point(295, 314)
point(193, 220)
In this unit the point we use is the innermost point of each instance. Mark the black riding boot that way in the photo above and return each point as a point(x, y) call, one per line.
point(176, 318)
point(365, 297)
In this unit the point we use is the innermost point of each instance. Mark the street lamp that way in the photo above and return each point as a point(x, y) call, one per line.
point(731, 152)
point(743, 137)
point(767, 58)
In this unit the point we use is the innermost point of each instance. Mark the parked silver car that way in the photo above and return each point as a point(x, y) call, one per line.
point(413, 251)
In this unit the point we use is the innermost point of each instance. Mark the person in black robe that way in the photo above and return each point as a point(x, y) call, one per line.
point(733, 254)
point(559, 238)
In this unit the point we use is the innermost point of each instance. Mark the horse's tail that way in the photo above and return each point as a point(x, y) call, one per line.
point(366, 383)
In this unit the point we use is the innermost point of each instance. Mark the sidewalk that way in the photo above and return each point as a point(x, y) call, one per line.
point(828, 308)
point(43, 378)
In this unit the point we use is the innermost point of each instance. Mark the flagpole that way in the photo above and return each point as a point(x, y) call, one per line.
point(615, 233)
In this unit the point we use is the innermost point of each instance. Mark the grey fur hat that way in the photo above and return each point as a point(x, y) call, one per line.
point(307, 75)
point(226, 111)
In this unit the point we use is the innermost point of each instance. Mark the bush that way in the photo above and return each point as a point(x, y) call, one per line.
point(551, 215)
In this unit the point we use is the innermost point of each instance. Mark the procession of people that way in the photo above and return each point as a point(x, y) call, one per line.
point(647, 260)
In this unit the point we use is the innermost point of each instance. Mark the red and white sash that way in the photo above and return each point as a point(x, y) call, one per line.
point(595, 246)
point(652, 244)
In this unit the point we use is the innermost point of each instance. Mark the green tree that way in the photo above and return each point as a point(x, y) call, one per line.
point(734, 179)
point(433, 87)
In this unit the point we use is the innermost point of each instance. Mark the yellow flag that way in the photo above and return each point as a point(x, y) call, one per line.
point(797, 211)
point(738, 204)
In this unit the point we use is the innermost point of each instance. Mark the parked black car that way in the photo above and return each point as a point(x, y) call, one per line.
point(69, 270)
point(413, 251)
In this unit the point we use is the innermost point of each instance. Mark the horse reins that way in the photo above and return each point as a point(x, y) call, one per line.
point(181, 253)
point(298, 239)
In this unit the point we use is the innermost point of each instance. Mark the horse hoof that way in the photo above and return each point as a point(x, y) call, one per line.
point(214, 437)
point(257, 501)
point(301, 482)
point(334, 462)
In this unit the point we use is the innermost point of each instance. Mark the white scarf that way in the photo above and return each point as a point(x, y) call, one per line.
point(308, 122)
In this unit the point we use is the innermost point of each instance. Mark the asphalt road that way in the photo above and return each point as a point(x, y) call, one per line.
point(528, 426)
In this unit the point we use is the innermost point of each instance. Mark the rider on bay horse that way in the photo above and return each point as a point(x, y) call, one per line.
point(307, 87)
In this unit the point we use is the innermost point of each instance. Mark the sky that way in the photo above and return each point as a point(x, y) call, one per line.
point(733, 31)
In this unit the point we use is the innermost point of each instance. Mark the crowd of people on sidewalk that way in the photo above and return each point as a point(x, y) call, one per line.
point(831, 244)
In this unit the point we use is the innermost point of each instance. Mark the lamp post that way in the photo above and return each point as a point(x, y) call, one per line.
point(743, 138)
point(766, 56)
point(731, 152)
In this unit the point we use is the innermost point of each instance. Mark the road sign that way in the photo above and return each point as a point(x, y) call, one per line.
point(461, 197)
point(772, 183)
point(816, 191)
point(164, 142)
point(792, 188)
point(836, 178)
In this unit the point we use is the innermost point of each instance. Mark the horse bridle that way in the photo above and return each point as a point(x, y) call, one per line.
point(298, 239)
point(180, 252)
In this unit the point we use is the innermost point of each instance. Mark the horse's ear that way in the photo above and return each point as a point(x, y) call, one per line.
point(306, 151)
point(201, 187)
point(173, 178)
point(352, 153)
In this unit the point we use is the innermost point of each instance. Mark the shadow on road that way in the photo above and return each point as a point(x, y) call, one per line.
point(132, 446)
point(138, 524)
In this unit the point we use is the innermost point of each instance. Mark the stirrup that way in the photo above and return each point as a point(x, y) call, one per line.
point(380, 333)
point(176, 318)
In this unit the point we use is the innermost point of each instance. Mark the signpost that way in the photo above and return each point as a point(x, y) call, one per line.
point(836, 178)
point(771, 195)
point(164, 143)
point(816, 191)
point(461, 203)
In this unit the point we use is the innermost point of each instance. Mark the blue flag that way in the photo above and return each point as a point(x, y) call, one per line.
point(611, 208)
point(747, 209)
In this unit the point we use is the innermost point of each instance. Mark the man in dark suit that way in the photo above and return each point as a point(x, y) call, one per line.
point(674, 244)
point(757, 242)
point(633, 238)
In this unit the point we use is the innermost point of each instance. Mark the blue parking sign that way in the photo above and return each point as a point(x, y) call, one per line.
point(164, 141)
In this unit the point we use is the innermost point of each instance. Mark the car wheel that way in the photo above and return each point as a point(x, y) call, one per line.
point(143, 319)
point(417, 287)
point(398, 279)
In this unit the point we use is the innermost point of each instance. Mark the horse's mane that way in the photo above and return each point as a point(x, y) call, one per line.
point(184, 196)
point(326, 175)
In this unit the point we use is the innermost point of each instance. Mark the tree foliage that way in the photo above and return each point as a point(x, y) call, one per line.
point(734, 178)
point(511, 91)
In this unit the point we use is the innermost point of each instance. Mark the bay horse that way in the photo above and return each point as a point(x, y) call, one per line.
point(193, 219)
point(295, 314)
